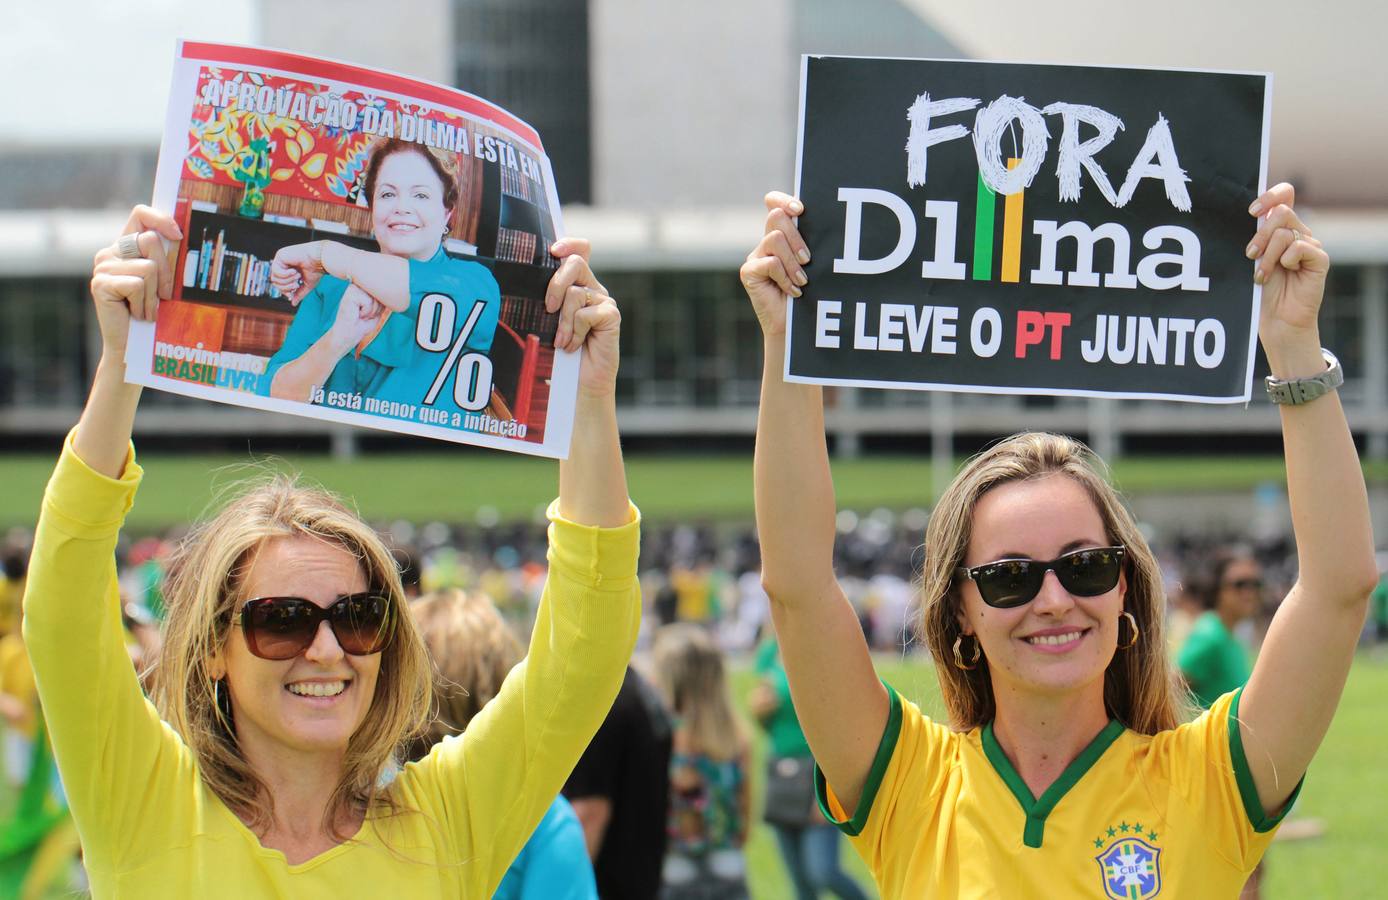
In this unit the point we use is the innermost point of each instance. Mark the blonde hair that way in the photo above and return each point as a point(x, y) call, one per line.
point(1140, 686)
point(472, 649)
point(205, 589)
point(690, 673)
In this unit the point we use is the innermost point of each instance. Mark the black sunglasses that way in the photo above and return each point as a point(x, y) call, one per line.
point(284, 627)
point(1245, 584)
point(1006, 583)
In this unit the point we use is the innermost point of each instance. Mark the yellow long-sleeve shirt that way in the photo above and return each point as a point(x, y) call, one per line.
point(151, 828)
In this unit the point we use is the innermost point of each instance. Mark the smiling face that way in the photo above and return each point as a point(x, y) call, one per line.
point(314, 702)
point(408, 213)
point(1058, 642)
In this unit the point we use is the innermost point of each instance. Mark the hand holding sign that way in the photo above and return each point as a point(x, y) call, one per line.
point(1291, 267)
point(588, 317)
point(130, 282)
point(774, 268)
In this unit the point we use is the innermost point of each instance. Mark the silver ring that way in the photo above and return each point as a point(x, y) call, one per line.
point(1296, 235)
point(128, 247)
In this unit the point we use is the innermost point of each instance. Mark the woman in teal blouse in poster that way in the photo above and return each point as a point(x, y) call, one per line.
point(385, 326)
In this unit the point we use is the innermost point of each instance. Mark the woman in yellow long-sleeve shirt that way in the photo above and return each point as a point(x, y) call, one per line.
point(291, 672)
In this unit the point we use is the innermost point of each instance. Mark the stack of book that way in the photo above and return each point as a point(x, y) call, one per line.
point(212, 266)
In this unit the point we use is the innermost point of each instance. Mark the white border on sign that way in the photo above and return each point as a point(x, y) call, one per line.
point(1257, 294)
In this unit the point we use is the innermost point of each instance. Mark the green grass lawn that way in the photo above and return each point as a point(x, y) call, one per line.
point(1347, 788)
point(453, 486)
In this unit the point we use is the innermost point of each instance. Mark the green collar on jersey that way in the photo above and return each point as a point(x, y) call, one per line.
point(1038, 809)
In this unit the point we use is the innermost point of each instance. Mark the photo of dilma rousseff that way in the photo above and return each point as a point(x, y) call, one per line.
point(418, 297)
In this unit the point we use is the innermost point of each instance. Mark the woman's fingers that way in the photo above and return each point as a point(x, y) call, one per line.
point(152, 248)
point(601, 316)
point(569, 246)
point(761, 269)
point(1306, 253)
point(1282, 193)
point(777, 244)
point(133, 282)
point(779, 221)
point(573, 271)
point(575, 299)
point(143, 218)
point(779, 200)
point(1282, 228)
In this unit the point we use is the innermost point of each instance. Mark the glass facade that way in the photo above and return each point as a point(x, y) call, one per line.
point(43, 363)
point(690, 342)
point(531, 56)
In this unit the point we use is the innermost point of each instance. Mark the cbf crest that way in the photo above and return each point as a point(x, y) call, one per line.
point(1130, 867)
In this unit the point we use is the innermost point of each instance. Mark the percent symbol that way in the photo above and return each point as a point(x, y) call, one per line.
point(472, 387)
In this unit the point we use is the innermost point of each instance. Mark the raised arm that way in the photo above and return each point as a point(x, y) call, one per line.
point(118, 760)
point(841, 704)
point(519, 750)
point(297, 268)
point(592, 481)
point(122, 288)
point(1300, 673)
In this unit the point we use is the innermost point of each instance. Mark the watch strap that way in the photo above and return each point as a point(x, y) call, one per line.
point(1296, 391)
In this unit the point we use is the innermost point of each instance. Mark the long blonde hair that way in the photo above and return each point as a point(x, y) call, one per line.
point(473, 650)
point(690, 673)
point(1140, 686)
point(205, 589)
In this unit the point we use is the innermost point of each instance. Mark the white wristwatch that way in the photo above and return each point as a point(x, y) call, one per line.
point(1295, 391)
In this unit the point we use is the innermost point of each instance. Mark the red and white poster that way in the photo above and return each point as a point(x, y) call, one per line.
point(359, 246)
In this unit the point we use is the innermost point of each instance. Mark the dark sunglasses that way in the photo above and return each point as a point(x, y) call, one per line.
point(1245, 584)
point(284, 627)
point(1006, 583)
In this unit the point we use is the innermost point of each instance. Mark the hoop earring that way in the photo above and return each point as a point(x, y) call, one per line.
point(1132, 623)
point(959, 656)
point(221, 705)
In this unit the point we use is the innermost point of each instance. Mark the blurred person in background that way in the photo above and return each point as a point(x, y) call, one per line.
point(809, 844)
point(1213, 660)
point(473, 651)
point(1378, 603)
point(620, 791)
point(710, 796)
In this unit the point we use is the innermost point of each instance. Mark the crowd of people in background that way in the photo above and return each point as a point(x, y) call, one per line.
point(665, 787)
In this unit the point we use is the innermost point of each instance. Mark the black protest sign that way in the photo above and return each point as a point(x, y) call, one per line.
point(1032, 229)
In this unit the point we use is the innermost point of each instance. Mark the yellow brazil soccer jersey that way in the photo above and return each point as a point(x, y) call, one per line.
point(944, 814)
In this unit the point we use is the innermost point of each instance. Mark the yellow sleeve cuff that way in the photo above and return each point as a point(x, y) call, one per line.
point(597, 557)
point(85, 504)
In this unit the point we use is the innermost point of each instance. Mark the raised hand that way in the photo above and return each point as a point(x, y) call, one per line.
point(1292, 268)
point(124, 286)
point(296, 269)
point(588, 317)
point(775, 267)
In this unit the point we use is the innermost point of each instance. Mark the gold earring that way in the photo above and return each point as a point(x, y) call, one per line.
point(1137, 632)
point(959, 656)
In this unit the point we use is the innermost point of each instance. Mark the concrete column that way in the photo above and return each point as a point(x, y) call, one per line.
point(941, 442)
point(344, 443)
point(848, 439)
point(1104, 438)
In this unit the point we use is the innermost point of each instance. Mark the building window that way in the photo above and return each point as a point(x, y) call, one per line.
point(43, 359)
point(531, 56)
